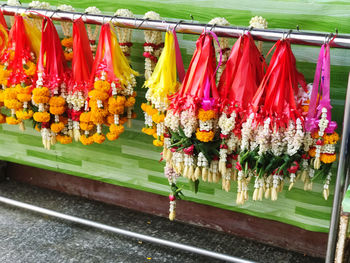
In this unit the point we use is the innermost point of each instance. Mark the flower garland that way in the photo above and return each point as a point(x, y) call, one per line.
point(81, 69)
point(152, 46)
point(92, 33)
point(318, 123)
point(189, 142)
point(67, 41)
point(273, 134)
point(161, 85)
point(39, 5)
point(259, 23)
point(19, 68)
point(237, 86)
point(224, 44)
point(125, 34)
point(113, 86)
point(51, 88)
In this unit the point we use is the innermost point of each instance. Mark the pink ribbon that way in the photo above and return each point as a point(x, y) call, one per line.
point(208, 102)
point(179, 63)
point(323, 89)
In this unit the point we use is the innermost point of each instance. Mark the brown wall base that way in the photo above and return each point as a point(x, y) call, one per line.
point(262, 230)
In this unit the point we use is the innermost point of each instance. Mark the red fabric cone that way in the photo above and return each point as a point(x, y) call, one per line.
point(275, 97)
point(82, 59)
point(242, 75)
point(51, 60)
point(199, 85)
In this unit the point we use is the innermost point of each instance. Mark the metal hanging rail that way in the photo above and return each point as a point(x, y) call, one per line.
point(295, 37)
point(123, 232)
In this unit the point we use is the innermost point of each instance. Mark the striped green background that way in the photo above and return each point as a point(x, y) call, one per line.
point(133, 161)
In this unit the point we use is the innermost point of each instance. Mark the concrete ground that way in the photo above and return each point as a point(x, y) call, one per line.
point(30, 237)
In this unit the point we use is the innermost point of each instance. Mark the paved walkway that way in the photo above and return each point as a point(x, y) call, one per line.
point(29, 237)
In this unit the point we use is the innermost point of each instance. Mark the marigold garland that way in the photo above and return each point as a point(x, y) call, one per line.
point(205, 136)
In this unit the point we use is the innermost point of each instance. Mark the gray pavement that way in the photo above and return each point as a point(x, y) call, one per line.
point(30, 237)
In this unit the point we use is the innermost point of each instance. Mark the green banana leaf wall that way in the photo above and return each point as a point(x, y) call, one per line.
point(132, 161)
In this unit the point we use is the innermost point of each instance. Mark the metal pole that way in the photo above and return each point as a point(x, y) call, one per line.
point(339, 184)
point(302, 38)
point(123, 232)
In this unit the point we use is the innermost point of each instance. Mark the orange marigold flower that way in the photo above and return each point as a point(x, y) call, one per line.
point(102, 85)
point(30, 68)
point(151, 111)
point(328, 158)
point(331, 138)
point(158, 143)
point(130, 102)
point(99, 138)
point(23, 90)
point(2, 95)
point(41, 99)
point(10, 94)
point(57, 110)
point(24, 114)
point(98, 95)
point(22, 97)
point(149, 131)
point(57, 101)
point(118, 110)
point(205, 136)
point(158, 117)
point(57, 127)
point(68, 56)
point(86, 140)
point(86, 126)
point(144, 107)
point(67, 42)
point(41, 116)
point(85, 116)
point(64, 139)
point(305, 108)
point(204, 115)
point(312, 152)
point(13, 104)
point(118, 129)
point(12, 120)
point(112, 136)
point(43, 91)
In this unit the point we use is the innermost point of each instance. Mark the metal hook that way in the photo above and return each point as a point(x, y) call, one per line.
point(54, 12)
point(141, 23)
point(287, 34)
point(298, 29)
point(336, 31)
point(178, 23)
point(115, 16)
point(325, 38)
point(250, 28)
point(191, 18)
point(212, 27)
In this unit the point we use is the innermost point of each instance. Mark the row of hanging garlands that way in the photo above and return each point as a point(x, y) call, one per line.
point(230, 117)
